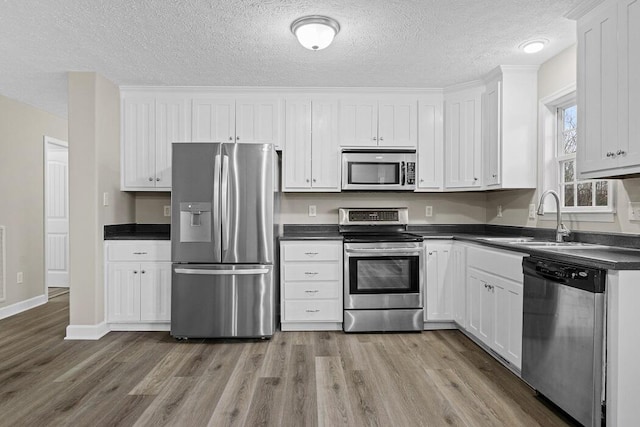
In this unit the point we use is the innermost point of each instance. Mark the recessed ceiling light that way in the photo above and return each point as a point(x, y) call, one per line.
point(533, 46)
point(315, 32)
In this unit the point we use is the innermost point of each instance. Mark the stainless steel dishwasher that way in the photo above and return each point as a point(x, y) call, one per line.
point(563, 336)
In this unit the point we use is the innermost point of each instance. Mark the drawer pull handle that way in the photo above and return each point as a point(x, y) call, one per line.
point(312, 292)
point(312, 311)
point(139, 253)
point(311, 253)
point(310, 273)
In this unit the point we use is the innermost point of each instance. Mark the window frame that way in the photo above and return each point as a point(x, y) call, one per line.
point(549, 172)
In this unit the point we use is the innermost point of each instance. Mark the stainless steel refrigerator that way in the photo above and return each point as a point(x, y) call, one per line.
point(223, 231)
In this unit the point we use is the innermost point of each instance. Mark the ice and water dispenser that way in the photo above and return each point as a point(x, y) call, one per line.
point(195, 222)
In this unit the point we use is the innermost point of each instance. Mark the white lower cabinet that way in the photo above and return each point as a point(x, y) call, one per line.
point(311, 285)
point(138, 285)
point(494, 301)
point(438, 305)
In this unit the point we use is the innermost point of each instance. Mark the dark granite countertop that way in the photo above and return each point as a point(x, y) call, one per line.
point(137, 232)
point(310, 232)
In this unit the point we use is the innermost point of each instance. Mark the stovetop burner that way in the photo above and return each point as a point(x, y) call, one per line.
point(354, 237)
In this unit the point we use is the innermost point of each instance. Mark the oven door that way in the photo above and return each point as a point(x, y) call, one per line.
point(383, 275)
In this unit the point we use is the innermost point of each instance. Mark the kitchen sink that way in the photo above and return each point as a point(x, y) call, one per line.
point(560, 245)
point(507, 239)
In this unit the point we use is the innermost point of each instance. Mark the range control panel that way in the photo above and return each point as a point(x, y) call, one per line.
point(367, 216)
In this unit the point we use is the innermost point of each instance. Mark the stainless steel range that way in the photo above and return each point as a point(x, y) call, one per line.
point(383, 271)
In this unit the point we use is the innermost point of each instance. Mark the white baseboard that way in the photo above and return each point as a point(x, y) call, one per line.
point(21, 306)
point(87, 332)
point(143, 327)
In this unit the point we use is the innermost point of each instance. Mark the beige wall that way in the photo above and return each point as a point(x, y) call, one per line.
point(94, 123)
point(150, 208)
point(448, 208)
point(22, 129)
point(556, 74)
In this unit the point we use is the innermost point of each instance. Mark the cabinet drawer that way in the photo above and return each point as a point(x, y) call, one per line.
point(309, 311)
point(315, 271)
point(501, 263)
point(294, 251)
point(139, 251)
point(312, 290)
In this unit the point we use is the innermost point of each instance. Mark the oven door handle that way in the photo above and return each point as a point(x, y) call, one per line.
point(408, 251)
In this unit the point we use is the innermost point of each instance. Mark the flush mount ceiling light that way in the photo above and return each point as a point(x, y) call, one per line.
point(533, 46)
point(315, 32)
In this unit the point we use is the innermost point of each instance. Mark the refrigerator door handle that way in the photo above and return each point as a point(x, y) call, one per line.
point(225, 203)
point(216, 196)
point(246, 272)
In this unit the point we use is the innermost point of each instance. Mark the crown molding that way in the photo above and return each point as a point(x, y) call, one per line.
point(582, 8)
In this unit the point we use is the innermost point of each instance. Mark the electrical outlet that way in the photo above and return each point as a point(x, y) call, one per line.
point(499, 213)
point(105, 199)
point(532, 211)
point(167, 210)
point(20, 277)
point(312, 210)
point(428, 211)
point(634, 211)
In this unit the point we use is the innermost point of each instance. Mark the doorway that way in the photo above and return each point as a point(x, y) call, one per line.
point(56, 215)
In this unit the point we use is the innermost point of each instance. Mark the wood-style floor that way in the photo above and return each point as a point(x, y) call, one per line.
point(295, 379)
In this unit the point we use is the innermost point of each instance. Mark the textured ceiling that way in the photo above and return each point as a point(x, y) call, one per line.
point(382, 43)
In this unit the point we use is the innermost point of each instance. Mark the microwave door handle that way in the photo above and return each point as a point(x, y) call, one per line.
point(402, 173)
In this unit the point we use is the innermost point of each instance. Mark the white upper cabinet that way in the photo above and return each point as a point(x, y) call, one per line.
point(311, 152)
point(150, 124)
point(609, 90)
point(373, 122)
point(509, 128)
point(462, 135)
point(242, 119)
point(214, 119)
point(430, 143)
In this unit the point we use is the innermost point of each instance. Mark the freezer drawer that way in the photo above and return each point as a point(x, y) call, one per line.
point(222, 301)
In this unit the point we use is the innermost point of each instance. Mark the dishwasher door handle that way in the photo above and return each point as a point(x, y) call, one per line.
point(550, 277)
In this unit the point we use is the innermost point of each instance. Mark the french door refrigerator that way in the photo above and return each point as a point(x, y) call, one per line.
point(222, 240)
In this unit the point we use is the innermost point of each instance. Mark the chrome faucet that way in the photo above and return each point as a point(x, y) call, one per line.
point(561, 230)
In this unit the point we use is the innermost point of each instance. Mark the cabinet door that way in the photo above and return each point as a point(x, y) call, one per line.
point(507, 319)
point(258, 120)
point(155, 292)
point(463, 153)
point(628, 83)
point(430, 145)
point(138, 142)
point(325, 159)
point(598, 93)
point(480, 306)
point(173, 124)
point(123, 292)
point(297, 146)
point(439, 291)
point(213, 119)
point(458, 265)
point(358, 122)
point(397, 123)
point(491, 129)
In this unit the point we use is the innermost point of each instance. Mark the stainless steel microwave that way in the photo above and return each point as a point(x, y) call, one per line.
point(379, 170)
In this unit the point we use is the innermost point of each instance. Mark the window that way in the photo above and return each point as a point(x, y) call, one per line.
point(576, 195)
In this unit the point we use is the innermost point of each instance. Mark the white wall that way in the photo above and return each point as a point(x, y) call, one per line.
point(22, 129)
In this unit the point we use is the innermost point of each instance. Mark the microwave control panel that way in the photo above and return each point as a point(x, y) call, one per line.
point(411, 173)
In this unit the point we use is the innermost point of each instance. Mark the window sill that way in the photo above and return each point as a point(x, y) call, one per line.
point(580, 216)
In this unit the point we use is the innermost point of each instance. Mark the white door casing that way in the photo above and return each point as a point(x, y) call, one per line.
point(56, 213)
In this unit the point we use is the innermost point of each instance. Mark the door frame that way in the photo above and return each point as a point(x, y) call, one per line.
point(48, 143)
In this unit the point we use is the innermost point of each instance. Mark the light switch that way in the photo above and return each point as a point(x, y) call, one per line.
point(167, 210)
point(105, 199)
point(312, 210)
point(20, 277)
point(499, 212)
point(428, 211)
point(634, 211)
point(532, 211)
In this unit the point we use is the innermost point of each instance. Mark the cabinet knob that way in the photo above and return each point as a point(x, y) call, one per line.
point(157, 179)
point(237, 138)
point(150, 179)
point(314, 180)
point(375, 139)
point(495, 175)
point(311, 253)
point(475, 179)
point(312, 311)
point(381, 139)
point(307, 180)
point(610, 154)
point(621, 152)
point(430, 253)
point(421, 180)
point(143, 272)
point(230, 138)
point(135, 271)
